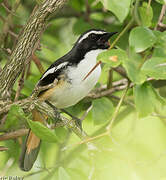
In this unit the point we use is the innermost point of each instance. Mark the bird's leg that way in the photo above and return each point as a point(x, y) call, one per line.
point(58, 111)
point(77, 120)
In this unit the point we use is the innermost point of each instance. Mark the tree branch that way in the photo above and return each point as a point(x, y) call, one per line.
point(27, 44)
point(14, 134)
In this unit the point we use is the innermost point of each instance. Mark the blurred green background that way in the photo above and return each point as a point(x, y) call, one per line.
point(136, 149)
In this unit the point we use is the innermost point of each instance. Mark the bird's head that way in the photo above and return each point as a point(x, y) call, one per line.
point(94, 40)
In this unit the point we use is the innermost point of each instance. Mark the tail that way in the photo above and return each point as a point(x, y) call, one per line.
point(31, 146)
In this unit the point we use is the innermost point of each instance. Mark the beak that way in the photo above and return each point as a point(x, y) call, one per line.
point(103, 41)
point(107, 35)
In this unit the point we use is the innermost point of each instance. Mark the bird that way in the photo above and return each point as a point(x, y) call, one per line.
point(74, 82)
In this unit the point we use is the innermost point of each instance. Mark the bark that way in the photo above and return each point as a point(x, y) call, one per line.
point(27, 44)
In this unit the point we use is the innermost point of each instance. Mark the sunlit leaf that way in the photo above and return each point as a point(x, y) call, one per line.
point(112, 57)
point(161, 1)
point(146, 14)
point(147, 100)
point(102, 110)
point(161, 40)
point(141, 38)
point(155, 67)
point(143, 99)
point(132, 66)
point(119, 8)
point(62, 174)
point(42, 131)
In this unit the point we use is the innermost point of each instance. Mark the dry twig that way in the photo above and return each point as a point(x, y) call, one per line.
point(20, 85)
point(14, 134)
point(38, 63)
point(161, 17)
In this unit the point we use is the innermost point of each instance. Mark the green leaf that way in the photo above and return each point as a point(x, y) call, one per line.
point(77, 5)
point(134, 72)
point(147, 99)
point(146, 14)
point(102, 110)
point(155, 67)
point(161, 40)
point(132, 66)
point(61, 133)
point(118, 7)
point(159, 52)
point(80, 26)
point(42, 131)
point(143, 99)
point(13, 116)
point(62, 174)
point(112, 57)
point(161, 1)
point(141, 38)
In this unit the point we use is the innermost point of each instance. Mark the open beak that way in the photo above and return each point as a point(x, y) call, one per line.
point(103, 41)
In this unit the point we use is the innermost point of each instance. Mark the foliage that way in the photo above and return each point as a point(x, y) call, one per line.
point(136, 147)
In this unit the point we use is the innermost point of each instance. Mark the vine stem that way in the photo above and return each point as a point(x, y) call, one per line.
point(109, 127)
point(121, 33)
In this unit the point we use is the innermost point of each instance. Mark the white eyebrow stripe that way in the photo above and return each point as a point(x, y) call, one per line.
point(87, 34)
point(54, 69)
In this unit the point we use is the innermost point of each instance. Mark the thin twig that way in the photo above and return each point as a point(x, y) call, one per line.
point(110, 78)
point(122, 32)
point(161, 17)
point(109, 127)
point(97, 64)
point(2, 122)
point(115, 83)
point(3, 148)
point(38, 63)
point(120, 70)
point(86, 113)
point(90, 139)
point(28, 72)
point(13, 135)
point(13, 34)
point(8, 10)
point(105, 92)
point(124, 101)
point(149, 3)
point(20, 85)
point(136, 15)
point(2, 18)
point(8, 20)
point(87, 14)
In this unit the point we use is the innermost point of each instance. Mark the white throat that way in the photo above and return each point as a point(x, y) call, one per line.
point(92, 55)
point(77, 74)
point(77, 88)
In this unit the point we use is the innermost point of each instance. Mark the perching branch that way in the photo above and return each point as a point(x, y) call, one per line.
point(14, 134)
point(27, 44)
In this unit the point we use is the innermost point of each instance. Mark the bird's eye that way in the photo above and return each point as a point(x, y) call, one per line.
point(93, 36)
